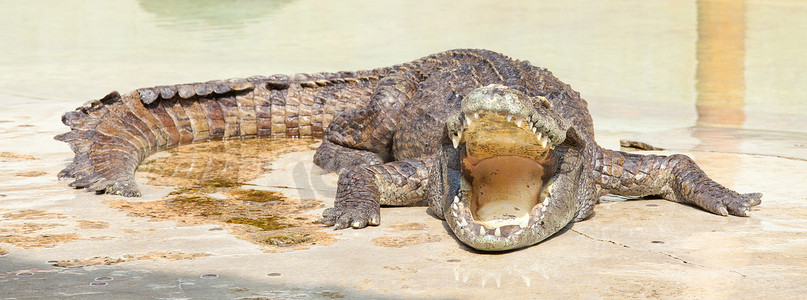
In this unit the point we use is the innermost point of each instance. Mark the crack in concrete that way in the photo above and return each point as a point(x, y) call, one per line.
point(684, 261)
point(698, 265)
point(599, 240)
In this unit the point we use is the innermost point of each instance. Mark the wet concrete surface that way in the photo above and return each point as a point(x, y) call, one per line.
point(653, 72)
point(57, 242)
point(784, 144)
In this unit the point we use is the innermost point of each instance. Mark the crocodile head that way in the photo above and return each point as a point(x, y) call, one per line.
point(511, 172)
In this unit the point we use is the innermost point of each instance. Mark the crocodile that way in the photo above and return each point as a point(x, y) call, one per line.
point(500, 149)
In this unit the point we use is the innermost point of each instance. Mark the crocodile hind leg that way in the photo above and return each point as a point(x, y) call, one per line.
point(676, 178)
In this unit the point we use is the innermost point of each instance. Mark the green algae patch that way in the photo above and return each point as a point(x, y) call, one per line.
point(180, 191)
point(209, 188)
point(257, 196)
point(220, 183)
point(185, 199)
point(270, 223)
point(210, 214)
point(287, 240)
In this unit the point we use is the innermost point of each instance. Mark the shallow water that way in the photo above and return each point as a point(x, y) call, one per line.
point(643, 66)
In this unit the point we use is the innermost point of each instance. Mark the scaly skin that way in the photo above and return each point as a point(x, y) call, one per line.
point(111, 136)
point(501, 149)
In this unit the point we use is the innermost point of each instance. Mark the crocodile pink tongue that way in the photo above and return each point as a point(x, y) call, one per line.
point(504, 190)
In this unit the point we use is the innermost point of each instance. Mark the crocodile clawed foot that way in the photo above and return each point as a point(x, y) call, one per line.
point(741, 206)
point(344, 217)
point(734, 204)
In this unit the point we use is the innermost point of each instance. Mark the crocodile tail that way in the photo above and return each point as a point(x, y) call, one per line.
point(111, 136)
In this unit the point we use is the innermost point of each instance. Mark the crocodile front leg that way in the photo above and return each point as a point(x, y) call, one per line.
point(675, 177)
point(363, 189)
point(332, 157)
point(364, 136)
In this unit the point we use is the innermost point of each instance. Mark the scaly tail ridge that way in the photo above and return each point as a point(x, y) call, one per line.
point(111, 136)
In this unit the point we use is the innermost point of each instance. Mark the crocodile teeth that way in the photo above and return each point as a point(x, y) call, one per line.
point(456, 141)
point(538, 136)
point(526, 280)
point(454, 205)
point(467, 122)
point(497, 232)
point(509, 118)
point(518, 122)
point(544, 141)
point(476, 115)
point(534, 130)
point(482, 231)
point(463, 223)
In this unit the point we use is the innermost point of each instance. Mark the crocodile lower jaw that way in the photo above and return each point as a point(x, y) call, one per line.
point(500, 199)
point(503, 190)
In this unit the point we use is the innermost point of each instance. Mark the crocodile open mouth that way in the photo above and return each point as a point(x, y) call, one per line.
point(517, 172)
point(507, 171)
point(505, 164)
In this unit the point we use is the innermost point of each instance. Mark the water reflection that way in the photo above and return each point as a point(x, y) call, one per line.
point(721, 63)
point(720, 86)
point(210, 189)
point(186, 14)
point(238, 160)
point(513, 275)
point(720, 73)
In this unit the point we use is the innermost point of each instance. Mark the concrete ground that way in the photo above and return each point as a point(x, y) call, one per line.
point(57, 242)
